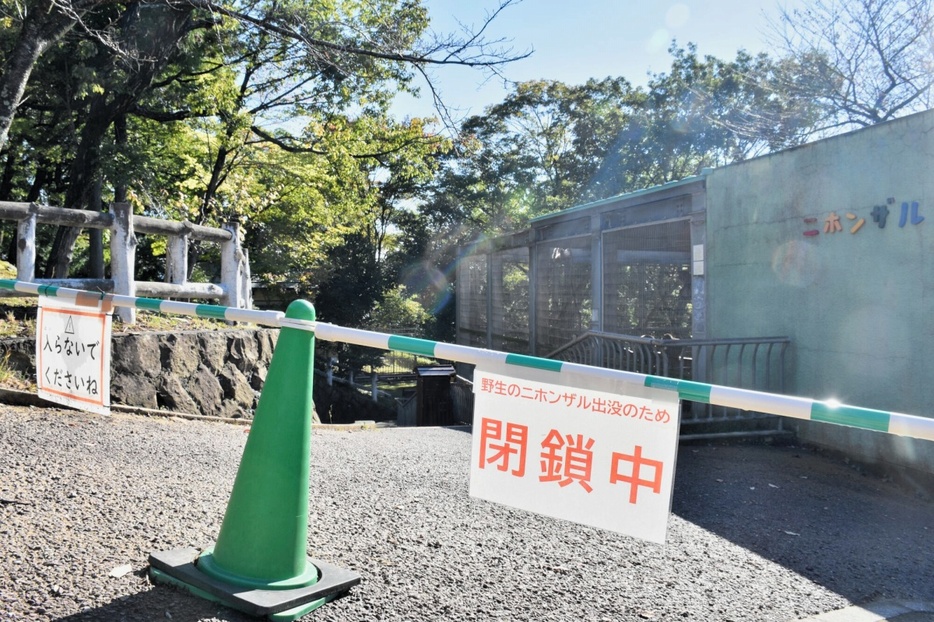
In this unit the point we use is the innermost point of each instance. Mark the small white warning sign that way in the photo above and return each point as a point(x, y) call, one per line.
point(73, 354)
point(592, 451)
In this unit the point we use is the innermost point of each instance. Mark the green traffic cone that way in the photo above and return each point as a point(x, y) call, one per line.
point(265, 530)
point(259, 563)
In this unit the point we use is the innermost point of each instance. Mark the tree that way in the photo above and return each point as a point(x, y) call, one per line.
point(270, 76)
point(708, 112)
point(42, 23)
point(155, 37)
point(341, 39)
point(866, 61)
point(326, 227)
point(535, 152)
point(550, 146)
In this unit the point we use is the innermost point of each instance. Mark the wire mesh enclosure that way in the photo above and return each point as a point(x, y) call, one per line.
point(646, 284)
point(563, 301)
point(647, 280)
point(472, 324)
point(617, 283)
point(493, 300)
point(509, 291)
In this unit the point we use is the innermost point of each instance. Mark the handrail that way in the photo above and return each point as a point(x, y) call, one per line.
point(49, 214)
point(743, 362)
point(234, 289)
point(667, 341)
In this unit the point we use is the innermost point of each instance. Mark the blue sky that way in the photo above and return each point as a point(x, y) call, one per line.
point(574, 40)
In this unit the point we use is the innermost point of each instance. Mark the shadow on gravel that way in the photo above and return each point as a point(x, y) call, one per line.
point(159, 603)
point(859, 535)
point(461, 428)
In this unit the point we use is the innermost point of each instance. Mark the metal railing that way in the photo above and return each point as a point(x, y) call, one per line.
point(756, 363)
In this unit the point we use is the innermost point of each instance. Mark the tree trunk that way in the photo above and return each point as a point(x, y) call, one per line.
point(163, 40)
point(9, 171)
point(120, 193)
point(83, 176)
point(43, 25)
point(218, 174)
point(96, 239)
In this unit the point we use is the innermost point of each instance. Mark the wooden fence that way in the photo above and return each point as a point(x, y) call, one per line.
point(234, 290)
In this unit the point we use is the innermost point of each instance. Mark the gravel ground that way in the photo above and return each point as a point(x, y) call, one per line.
point(757, 532)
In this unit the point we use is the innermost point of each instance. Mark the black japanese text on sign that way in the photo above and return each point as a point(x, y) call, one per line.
point(73, 355)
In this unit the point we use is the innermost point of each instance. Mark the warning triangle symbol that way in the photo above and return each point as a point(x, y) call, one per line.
point(70, 326)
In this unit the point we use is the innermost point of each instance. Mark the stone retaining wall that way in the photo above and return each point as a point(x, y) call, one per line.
point(213, 373)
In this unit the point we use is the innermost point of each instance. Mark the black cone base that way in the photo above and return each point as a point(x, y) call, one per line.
point(178, 567)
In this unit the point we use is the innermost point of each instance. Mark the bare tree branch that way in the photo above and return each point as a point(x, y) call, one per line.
point(290, 146)
point(868, 61)
point(481, 59)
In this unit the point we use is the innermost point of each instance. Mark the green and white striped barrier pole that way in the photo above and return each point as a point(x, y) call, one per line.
point(785, 405)
point(86, 298)
point(771, 403)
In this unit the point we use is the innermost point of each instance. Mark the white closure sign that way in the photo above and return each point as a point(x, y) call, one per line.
point(600, 452)
point(73, 354)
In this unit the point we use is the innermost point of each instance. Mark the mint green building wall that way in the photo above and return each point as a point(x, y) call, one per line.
point(793, 249)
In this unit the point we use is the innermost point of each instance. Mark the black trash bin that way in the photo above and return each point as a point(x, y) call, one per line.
point(434, 403)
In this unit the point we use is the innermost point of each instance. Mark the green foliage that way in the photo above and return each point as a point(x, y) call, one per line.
point(276, 113)
point(397, 310)
point(549, 146)
point(190, 115)
point(535, 152)
point(709, 112)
